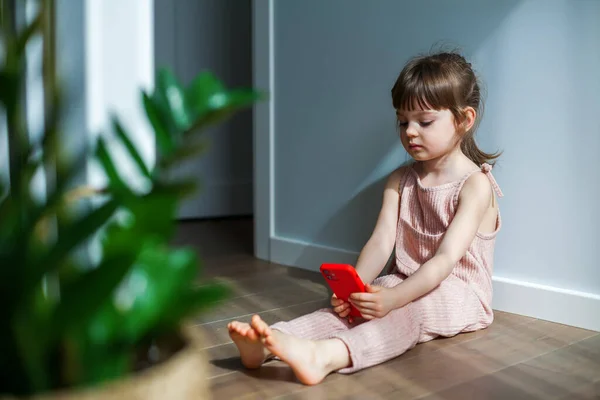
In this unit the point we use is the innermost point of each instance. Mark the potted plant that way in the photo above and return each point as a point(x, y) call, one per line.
point(115, 327)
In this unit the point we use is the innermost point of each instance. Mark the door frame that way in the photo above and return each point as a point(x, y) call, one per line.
point(264, 126)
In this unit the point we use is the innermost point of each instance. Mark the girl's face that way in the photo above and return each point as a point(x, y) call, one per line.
point(427, 134)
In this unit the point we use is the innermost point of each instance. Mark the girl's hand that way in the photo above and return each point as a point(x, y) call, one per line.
point(376, 302)
point(341, 308)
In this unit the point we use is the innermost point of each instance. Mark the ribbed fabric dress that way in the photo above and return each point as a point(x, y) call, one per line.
point(461, 303)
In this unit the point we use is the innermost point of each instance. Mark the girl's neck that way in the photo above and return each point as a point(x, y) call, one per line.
point(448, 166)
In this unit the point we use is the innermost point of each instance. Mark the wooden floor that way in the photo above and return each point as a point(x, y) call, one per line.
point(516, 358)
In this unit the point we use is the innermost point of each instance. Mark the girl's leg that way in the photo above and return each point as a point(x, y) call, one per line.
point(378, 340)
point(319, 343)
point(317, 325)
point(311, 360)
point(314, 351)
point(448, 310)
point(314, 326)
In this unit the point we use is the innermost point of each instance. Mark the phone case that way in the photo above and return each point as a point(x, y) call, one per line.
point(343, 280)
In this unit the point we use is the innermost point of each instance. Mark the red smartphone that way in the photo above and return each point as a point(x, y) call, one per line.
point(343, 280)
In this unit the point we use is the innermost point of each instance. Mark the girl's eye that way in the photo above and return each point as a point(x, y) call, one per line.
point(423, 123)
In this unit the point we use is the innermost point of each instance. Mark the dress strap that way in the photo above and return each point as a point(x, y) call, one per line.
point(487, 170)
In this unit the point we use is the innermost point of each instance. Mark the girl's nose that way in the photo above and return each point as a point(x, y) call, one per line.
point(411, 131)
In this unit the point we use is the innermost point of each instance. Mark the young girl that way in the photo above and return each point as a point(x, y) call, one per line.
point(439, 214)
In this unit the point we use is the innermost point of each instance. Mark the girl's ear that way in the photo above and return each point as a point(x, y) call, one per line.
point(469, 115)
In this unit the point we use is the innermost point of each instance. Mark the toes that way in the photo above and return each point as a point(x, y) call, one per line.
point(252, 335)
point(260, 326)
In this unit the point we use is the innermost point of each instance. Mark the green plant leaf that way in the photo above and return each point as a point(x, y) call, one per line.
point(31, 351)
point(182, 188)
point(201, 91)
point(3, 192)
point(109, 167)
point(11, 279)
point(154, 212)
point(164, 139)
point(64, 180)
point(102, 364)
point(104, 326)
point(222, 106)
point(183, 153)
point(160, 273)
point(5, 205)
point(85, 295)
point(9, 82)
point(15, 376)
point(143, 296)
point(130, 147)
point(72, 235)
point(173, 95)
point(191, 302)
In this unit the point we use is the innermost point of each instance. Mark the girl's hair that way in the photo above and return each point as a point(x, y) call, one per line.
point(443, 80)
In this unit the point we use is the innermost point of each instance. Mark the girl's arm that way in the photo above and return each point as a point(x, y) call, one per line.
point(473, 201)
point(377, 250)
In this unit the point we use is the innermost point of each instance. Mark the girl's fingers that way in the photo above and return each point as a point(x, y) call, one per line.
point(367, 313)
point(365, 305)
point(336, 302)
point(341, 308)
point(362, 297)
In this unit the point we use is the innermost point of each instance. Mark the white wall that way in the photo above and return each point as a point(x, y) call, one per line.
point(119, 60)
point(334, 138)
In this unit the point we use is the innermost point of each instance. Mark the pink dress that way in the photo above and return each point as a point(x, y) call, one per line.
point(461, 303)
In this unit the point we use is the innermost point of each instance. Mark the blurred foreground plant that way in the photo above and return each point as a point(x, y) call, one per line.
point(67, 324)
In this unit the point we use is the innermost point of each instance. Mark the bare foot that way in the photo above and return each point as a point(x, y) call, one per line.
point(310, 360)
point(249, 344)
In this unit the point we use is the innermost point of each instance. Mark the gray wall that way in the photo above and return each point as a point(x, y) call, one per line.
point(192, 36)
point(335, 63)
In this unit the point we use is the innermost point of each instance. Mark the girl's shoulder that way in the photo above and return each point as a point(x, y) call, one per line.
point(480, 185)
point(397, 177)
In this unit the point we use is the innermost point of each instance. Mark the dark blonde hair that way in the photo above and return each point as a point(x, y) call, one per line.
point(439, 81)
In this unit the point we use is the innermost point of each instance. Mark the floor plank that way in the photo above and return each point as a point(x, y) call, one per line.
point(561, 373)
point(216, 332)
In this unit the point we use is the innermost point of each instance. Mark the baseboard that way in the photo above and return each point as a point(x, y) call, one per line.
point(548, 303)
point(569, 307)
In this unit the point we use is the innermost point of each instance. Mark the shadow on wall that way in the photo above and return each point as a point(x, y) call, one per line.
point(367, 203)
point(370, 147)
